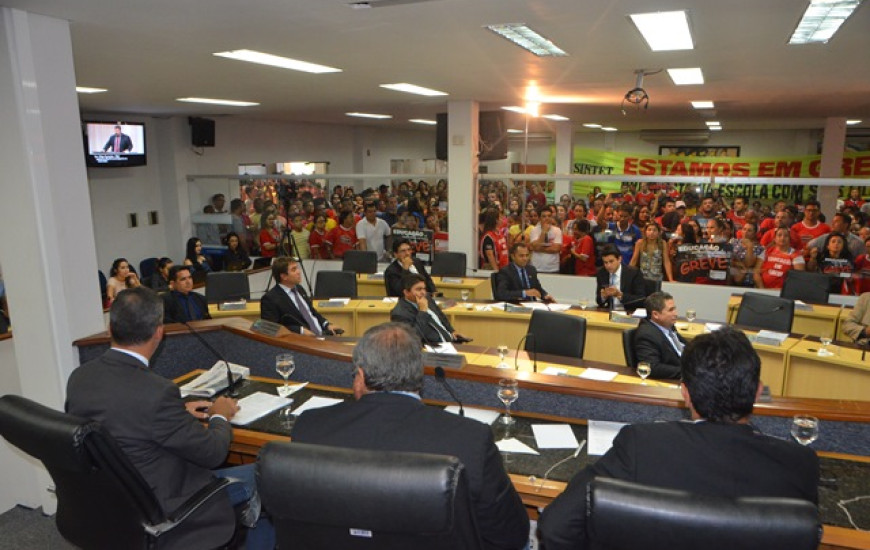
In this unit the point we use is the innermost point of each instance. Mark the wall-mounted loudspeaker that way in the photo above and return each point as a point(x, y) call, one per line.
point(492, 131)
point(201, 132)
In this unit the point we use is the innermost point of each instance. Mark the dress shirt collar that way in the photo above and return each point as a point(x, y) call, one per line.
point(138, 356)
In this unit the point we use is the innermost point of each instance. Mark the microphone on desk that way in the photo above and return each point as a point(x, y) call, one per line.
point(441, 378)
point(534, 351)
point(231, 384)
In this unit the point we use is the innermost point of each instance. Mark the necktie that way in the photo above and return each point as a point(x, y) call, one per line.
point(117, 144)
point(613, 279)
point(442, 330)
point(526, 283)
point(306, 314)
point(678, 346)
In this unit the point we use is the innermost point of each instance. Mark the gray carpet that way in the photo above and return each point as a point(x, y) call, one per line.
point(25, 529)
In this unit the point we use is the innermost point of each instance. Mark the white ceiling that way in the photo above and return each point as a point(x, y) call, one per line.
point(149, 52)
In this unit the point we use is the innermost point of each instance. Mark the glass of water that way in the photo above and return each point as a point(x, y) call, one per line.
point(502, 353)
point(285, 365)
point(805, 428)
point(691, 315)
point(826, 340)
point(465, 294)
point(584, 303)
point(644, 370)
point(508, 392)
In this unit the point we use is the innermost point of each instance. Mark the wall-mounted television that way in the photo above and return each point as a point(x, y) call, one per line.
point(114, 143)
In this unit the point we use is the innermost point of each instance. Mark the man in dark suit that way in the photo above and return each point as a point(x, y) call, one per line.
point(181, 304)
point(118, 143)
point(403, 264)
point(519, 279)
point(619, 286)
point(656, 341)
point(420, 311)
point(161, 434)
point(717, 453)
point(288, 304)
point(387, 414)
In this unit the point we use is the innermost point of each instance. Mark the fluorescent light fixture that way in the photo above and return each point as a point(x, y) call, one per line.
point(702, 104)
point(515, 109)
point(609, 129)
point(713, 123)
point(252, 56)
point(591, 125)
point(423, 121)
point(821, 20)
point(687, 77)
point(514, 131)
point(556, 117)
point(715, 128)
point(412, 89)
point(369, 115)
point(210, 101)
point(526, 38)
point(853, 122)
point(86, 90)
point(665, 30)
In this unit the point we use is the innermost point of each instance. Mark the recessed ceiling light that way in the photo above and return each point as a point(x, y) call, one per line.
point(608, 128)
point(853, 122)
point(515, 109)
point(821, 20)
point(369, 115)
point(526, 38)
point(591, 125)
point(687, 77)
point(556, 117)
point(664, 30)
point(86, 90)
point(423, 121)
point(412, 89)
point(210, 101)
point(713, 123)
point(715, 128)
point(261, 58)
point(702, 104)
point(514, 131)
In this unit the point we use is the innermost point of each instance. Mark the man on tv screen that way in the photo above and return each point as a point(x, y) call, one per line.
point(118, 143)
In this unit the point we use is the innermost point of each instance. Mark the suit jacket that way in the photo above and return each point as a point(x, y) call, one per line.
point(729, 460)
point(652, 346)
point(394, 273)
point(277, 307)
point(173, 312)
point(126, 143)
point(394, 422)
point(145, 414)
point(408, 313)
point(630, 283)
point(859, 318)
point(508, 285)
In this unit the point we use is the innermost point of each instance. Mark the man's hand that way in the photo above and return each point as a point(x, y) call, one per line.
point(407, 262)
point(423, 303)
point(199, 409)
point(533, 292)
point(225, 407)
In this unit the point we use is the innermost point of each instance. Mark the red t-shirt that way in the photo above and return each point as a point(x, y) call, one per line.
point(585, 246)
point(739, 221)
point(266, 237)
point(645, 198)
point(341, 240)
point(776, 263)
point(318, 249)
point(767, 240)
point(802, 234)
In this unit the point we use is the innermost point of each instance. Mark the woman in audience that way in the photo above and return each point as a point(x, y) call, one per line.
point(641, 216)
point(160, 278)
point(861, 281)
point(777, 260)
point(270, 235)
point(194, 257)
point(315, 239)
point(236, 258)
point(834, 259)
point(583, 249)
point(493, 245)
point(343, 237)
point(745, 255)
point(651, 255)
point(121, 277)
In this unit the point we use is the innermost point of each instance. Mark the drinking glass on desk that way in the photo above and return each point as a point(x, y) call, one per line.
point(508, 392)
point(691, 315)
point(826, 339)
point(502, 353)
point(584, 303)
point(285, 366)
point(643, 370)
point(805, 428)
point(465, 294)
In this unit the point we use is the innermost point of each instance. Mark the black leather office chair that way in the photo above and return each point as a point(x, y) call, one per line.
point(102, 501)
point(360, 261)
point(493, 284)
point(449, 264)
point(626, 516)
point(650, 286)
point(227, 286)
point(628, 347)
point(147, 267)
point(335, 284)
point(556, 334)
point(813, 288)
point(323, 497)
point(764, 312)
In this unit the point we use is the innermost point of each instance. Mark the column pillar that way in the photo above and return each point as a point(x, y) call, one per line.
point(564, 156)
point(833, 144)
point(462, 140)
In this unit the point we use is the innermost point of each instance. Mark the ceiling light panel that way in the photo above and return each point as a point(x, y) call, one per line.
point(686, 77)
point(702, 104)
point(252, 56)
point(515, 109)
point(425, 121)
point(556, 117)
point(210, 101)
point(665, 30)
point(609, 129)
point(412, 89)
point(370, 115)
point(853, 122)
point(821, 20)
point(87, 90)
point(526, 38)
point(591, 125)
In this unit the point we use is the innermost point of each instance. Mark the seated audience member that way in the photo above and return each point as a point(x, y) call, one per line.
point(656, 341)
point(404, 264)
point(519, 279)
point(420, 311)
point(162, 435)
point(810, 227)
point(181, 304)
point(619, 286)
point(160, 278)
point(718, 453)
point(387, 414)
point(194, 257)
point(270, 235)
point(236, 258)
point(121, 277)
point(857, 325)
point(774, 262)
point(841, 223)
point(835, 260)
point(288, 303)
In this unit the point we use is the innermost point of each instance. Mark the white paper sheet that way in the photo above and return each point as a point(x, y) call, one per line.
point(554, 436)
point(316, 402)
point(481, 415)
point(287, 391)
point(514, 445)
point(555, 371)
point(443, 347)
point(391, 300)
point(598, 374)
point(257, 405)
point(601, 435)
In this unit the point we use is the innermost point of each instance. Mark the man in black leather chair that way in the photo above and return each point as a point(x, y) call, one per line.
point(717, 453)
point(404, 264)
point(656, 341)
point(387, 414)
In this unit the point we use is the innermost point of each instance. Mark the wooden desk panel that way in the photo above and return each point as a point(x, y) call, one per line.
point(843, 376)
point(480, 288)
point(815, 321)
point(251, 311)
point(371, 313)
